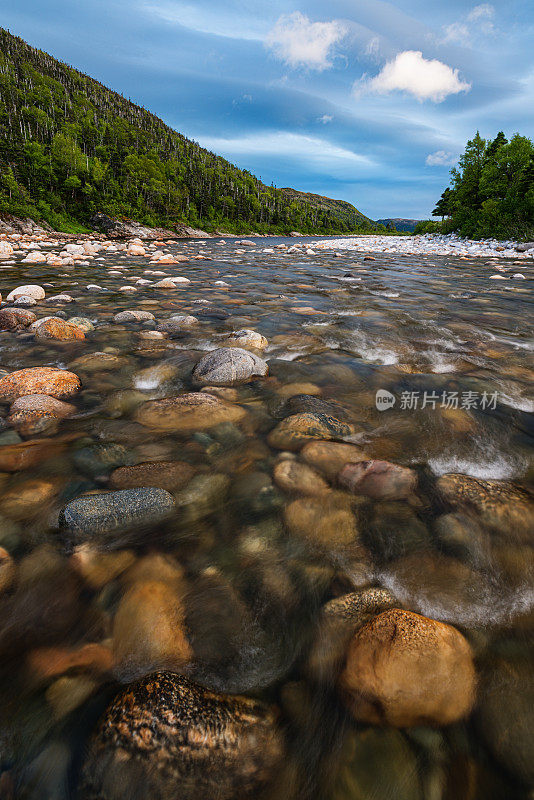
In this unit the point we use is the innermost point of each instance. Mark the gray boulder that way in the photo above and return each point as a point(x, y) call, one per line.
point(96, 515)
point(228, 365)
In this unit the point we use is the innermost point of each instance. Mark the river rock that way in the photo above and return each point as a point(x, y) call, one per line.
point(169, 475)
point(98, 567)
point(330, 457)
point(15, 319)
point(15, 457)
point(100, 514)
point(228, 365)
point(501, 505)
point(308, 403)
point(83, 323)
point(165, 732)
point(406, 670)
point(30, 290)
point(325, 520)
point(133, 316)
point(58, 329)
point(187, 412)
point(28, 498)
point(246, 338)
point(177, 324)
point(338, 621)
point(149, 630)
point(295, 431)
point(51, 381)
point(379, 480)
point(294, 476)
point(34, 413)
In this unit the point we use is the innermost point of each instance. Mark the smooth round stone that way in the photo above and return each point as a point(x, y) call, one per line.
point(149, 630)
point(306, 403)
point(187, 412)
point(133, 316)
point(28, 498)
point(15, 319)
point(61, 298)
point(404, 670)
point(293, 476)
point(82, 322)
point(295, 431)
point(59, 330)
point(100, 514)
point(28, 290)
point(247, 338)
point(165, 283)
point(330, 457)
point(58, 383)
point(32, 408)
point(323, 520)
point(165, 734)
point(25, 301)
point(228, 365)
point(499, 504)
point(378, 480)
point(169, 475)
point(177, 323)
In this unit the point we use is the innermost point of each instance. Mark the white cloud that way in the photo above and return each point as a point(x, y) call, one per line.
point(299, 42)
point(441, 158)
point(311, 151)
point(409, 72)
point(478, 21)
point(325, 119)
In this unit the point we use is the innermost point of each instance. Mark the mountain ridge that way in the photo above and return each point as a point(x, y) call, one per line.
point(70, 147)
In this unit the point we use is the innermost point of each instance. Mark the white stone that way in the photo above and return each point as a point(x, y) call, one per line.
point(29, 290)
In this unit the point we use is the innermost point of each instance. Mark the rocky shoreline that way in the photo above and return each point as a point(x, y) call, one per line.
point(432, 245)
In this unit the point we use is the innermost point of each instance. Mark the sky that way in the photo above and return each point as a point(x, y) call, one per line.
point(361, 100)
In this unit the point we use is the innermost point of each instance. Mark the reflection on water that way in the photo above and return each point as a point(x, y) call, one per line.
point(222, 541)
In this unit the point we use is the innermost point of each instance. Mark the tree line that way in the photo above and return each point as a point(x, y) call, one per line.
point(491, 192)
point(70, 147)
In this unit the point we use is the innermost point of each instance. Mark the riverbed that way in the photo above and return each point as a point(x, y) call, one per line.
point(356, 457)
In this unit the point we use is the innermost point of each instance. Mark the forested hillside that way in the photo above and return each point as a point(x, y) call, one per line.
point(70, 147)
point(492, 192)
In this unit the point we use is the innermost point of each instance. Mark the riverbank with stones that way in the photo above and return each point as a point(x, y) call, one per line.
point(222, 570)
point(433, 245)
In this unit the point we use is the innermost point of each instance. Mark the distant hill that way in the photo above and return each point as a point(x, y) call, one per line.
point(71, 148)
point(400, 224)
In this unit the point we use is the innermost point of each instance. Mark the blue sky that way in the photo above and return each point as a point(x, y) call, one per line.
point(362, 100)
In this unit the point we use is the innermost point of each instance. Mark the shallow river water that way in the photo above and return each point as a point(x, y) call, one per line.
point(259, 563)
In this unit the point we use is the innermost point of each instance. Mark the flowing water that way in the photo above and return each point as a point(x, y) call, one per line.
point(454, 354)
